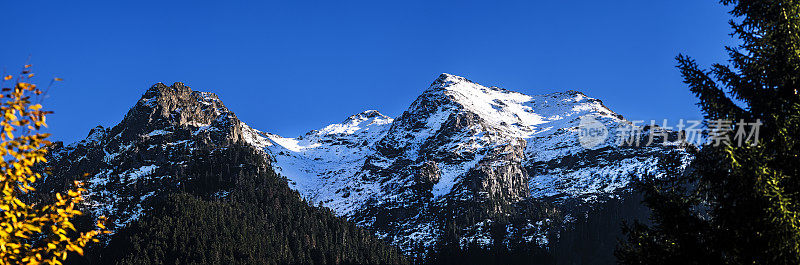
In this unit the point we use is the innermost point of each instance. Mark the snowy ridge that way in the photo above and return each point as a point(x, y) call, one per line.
point(501, 109)
point(321, 164)
point(372, 168)
point(461, 152)
point(548, 123)
point(138, 158)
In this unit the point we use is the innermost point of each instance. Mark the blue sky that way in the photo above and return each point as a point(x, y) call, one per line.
point(289, 67)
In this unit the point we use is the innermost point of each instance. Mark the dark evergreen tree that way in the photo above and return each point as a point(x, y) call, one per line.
point(260, 220)
point(737, 204)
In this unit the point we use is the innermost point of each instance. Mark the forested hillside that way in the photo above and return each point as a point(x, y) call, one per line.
point(258, 221)
point(184, 181)
point(181, 185)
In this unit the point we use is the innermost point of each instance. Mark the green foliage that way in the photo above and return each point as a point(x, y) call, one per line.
point(188, 230)
point(737, 204)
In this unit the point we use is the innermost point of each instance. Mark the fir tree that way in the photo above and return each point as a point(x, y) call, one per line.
point(737, 204)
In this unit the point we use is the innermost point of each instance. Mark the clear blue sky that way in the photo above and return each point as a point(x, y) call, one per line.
point(291, 67)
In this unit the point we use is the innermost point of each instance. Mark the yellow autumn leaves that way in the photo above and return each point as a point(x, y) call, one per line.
point(32, 233)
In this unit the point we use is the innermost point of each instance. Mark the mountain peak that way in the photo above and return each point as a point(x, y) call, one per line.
point(460, 150)
point(160, 88)
point(179, 96)
point(165, 108)
point(356, 123)
point(446, 80)
point(367, 114)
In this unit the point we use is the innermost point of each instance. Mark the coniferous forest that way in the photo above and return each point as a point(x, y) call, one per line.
point(261, 221)
point(738, 203)
point(468, 174)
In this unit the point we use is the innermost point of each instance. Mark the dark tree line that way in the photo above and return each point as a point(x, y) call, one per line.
point(259, 221)
point(738, 204)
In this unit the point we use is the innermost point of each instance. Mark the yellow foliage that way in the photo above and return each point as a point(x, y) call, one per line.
point(32, 233)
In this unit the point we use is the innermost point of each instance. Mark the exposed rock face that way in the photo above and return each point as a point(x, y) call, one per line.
point(177, 106)
point(463, 156)
point(168, 130)
point(499, 178)
point(427, 175)
point(467, 153)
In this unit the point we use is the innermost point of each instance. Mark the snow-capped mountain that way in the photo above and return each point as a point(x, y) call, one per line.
point(459, 144)
point(154, 150)
point(463, 157)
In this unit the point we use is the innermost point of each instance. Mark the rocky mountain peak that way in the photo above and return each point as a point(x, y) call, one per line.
point(363, 122)
point(473, 151)
point(182, 105)
point(445, 80)
point(461, 151)
point(95, 132)
point(168, 130)
point(367, 115)
point(168, 108)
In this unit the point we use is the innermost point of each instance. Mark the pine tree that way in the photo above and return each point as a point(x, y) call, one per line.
point(738, 204)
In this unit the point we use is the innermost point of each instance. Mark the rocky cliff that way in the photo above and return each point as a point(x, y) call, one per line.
point(463, 159)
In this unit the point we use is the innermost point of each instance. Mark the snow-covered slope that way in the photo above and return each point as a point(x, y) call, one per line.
point(170, 130)
point(459, 144)
point(322, 164)
point(463, 157)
